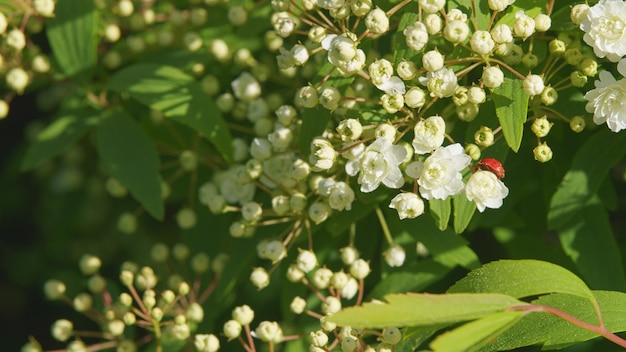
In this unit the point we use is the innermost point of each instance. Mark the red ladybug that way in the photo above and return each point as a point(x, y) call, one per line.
point(493, 165)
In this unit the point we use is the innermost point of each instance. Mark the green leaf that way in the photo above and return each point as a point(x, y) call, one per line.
point(425, 273)
point(589, 168)
point(72, 37)
point(479, 10)
point(589, 241)
point(441, 210)
point(57, 137)
point(473, 335)
point(131, 158)
point(531, 7)
point(314, 123)
point(522, 278)
point(179, 97)
point(556, 333)
point(511, 108)
point(423, 309)
point(463, 212)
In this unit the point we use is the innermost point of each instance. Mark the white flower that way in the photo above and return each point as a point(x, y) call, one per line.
point(482, 43)
point(408, 205)
point(432, 6)
point(605, 29)
point(486, 190)
point(341, 196)
point(429, 134)
point(533, 85)
point(441, 173)
point(377, 21)
point(524, 25)
point(322, 155)
point(441, 83)
point(607, 101)
point(378, 164)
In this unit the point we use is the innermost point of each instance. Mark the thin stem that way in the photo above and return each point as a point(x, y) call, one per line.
point(383, 225)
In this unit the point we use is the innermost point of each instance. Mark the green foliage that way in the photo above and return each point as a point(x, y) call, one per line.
point(131, 158)
point(511, 108)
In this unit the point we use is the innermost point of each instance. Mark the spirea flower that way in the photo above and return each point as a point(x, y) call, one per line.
point(605, 29)
point(607, 101)
point(378, 164)
point(486, 190)
point(429, 134)
point(441, 173)
point(441, 83)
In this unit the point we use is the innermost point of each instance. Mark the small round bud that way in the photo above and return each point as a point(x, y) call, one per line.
point(40, 64)
point(269, 331)
point(306, 261)
point(433, 23)
point(321, 278)
point(542, 153)
point(96, 284)
point(377, 21)
point(542, 22)
point(112, 33)
point(251, 211)
point(395, 256)
point(319, 212)
point(476, 95)
point(3, 23)
point(186, 218)
point(125, 299)
point(577, 124)
point(54, 289)
point(127, 277)
point(492, 77)
point(298, 304)
point(359, 269)
point(481, 42)
point(573, 56)
point(391, 335)
point(533, 85)
point(349, 344)
point(125, 8)
point(243, 314)
point(16, 40)
point(89, 264)
point(473, 151)
point(502, 34)
point(237, 15)
point(82, 302)
point(557, 47)
point(524, 25)
point(307, 97)
point(183, 288)
point(467, 112)
point(17, 79)
point(327, 325)
point(294, 274)
point(541, 126)
point(589, 67)
point(578, 13)
point(484, 137)
point(200, 263)
point(406, 70)
point(116, 327)
point(168, 296)
point(159, 252)
point(206, 343)
point(456, 31)
point(549, 96)
point(319, 337)
point(432, 61)
point(349, 255)
point(232, 329)
point(4, 107)
point(62, 330)
point(76, 346)
point(195, 312)
point(530, 60)
point(127, 223)
point(499, 5)
point(415, 97)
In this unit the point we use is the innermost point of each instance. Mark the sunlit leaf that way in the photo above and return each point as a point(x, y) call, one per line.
point(472, 335)
point(522, 278)
point(511, 108)
point(464, 209)
point(440, 210)
point(413, 309)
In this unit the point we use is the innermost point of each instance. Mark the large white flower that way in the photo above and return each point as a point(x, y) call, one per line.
point(378, 164)
point(486, 190)
point(605, 29)
point(607, 101)
point(429, 134)
point(441, 173)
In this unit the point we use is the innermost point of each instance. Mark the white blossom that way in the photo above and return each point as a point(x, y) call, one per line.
point(395, 256)
point(441, 83)
point(378, 164)
point(246, 87)
point(429, 134)
point(416, 36)
point(340, 196)
point(441, 173)
point(486, 190)
point(408, 205)
point(605, 29)
point(607, 101)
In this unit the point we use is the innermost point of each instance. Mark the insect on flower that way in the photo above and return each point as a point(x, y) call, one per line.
point(493, 165)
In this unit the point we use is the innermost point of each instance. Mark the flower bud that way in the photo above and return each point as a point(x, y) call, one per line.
point(557, 47)
point(542, 22)
point(331, 305)
point(206, 343)
point(542, 153)
point(392, 102)
point(467, 112)
point(589, 67)
point(349, 255)
point(502, 34)
point(433, 23)
point(499, 5)
point(359, 269)
point(573, 56)
point(186, 218)
point(349, 344)
point(408, 205)
point(473, 151)
point(82, 302)
point(269, 331)
point(578, 13)
point(16, 40)
point(322, 155)
point(4, 108)
point(481, 42)
point(3, 23)
point(541, 126)
point(492, 77)
point(237, 15)
point(484, 137)
point(524, 25)
point(456, 31)
point(62, 330)
point(298, 305)
point(294, 274)
point(533, 85)
point(377, 21)
point(307, 97)
point(395, 255)
point(577, 124)
point(391, 336)
point(415, 97)
point(432, 61)
point(17, 79)
point(260, 278)
point(416, 36)
point(54, 289)
point(407, 70)
point(530, 60)
point(549, 96)
point(232, 329)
